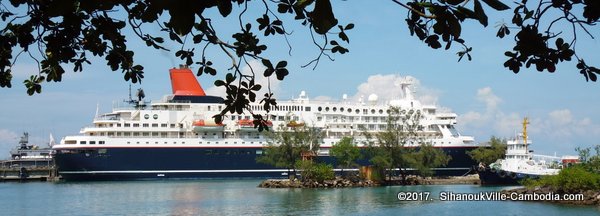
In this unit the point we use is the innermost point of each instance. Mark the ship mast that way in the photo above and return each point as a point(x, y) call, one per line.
point(525, 122)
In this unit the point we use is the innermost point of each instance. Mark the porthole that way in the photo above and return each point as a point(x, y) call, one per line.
point(372, 111)
point(326, 109)
point(155, 116)
point(320, 109)
point(357, 111)
point(335, 109)
point(146, 116)
point(342, 109)
point(380, 111)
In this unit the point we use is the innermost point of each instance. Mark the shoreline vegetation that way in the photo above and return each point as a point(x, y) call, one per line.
point(297, 147)
point(582, 178)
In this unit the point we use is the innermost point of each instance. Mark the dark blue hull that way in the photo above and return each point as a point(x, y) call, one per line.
point(194, 162)
point(489, 176)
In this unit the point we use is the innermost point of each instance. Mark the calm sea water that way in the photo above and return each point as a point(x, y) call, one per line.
point(242, 197)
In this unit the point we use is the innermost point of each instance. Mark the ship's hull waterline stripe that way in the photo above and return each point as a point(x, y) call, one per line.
point(208, 171)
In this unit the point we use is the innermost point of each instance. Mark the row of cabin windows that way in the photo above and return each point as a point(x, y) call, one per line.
point(92, 142)
point(154, 125)
point(83, 142)
point(349, 110)
point(282, 108)
point(273, 117)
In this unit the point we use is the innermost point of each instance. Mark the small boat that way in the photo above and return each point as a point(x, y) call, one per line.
point(248, 125)
point(207, 125)
point(30, 152)
point(295, 124)
point(520, 163)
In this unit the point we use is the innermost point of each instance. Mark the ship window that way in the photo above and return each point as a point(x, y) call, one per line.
point(81, 142)
point(380, 111)
point(101, 151)
point(127, 125)
point(155, 116)
point(137, 142)
point(163, 125)
point(147, 142)
point(136, 134)
point(342, 109)
point(349, 110)
point(182, 142)
point(307, 109)
point(319, 109)
point(146, 116)
point(326, 109)
point(172, 125)
point(165, 142)
point(118, 124)
point(136, 125)
point(155, 125)
point(92, 142)
point(372, 111)
point(259, 152)
point(100, 142)
point(128, 142)
point(356, 111)
point(155, 142)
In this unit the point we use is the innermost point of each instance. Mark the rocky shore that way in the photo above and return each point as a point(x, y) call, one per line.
point(296, 183)
point(590, 197)
point(343, 183)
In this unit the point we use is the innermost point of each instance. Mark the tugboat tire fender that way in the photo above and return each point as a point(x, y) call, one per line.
point(502, 174)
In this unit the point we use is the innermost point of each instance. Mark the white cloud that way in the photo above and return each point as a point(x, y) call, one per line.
point(258, 69)
point(486, 95)
point(557, 130)
point(387, 87)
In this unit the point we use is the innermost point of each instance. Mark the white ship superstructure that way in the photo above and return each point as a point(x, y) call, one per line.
point(184, 120)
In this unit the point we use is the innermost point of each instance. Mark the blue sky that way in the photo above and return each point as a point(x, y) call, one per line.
point(489, 99)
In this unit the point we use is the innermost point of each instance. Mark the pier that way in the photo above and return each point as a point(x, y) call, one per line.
point(27, 170)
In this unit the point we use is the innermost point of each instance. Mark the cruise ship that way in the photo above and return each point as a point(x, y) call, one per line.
point(176, 137)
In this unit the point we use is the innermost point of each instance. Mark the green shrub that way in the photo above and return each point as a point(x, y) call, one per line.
point(315, 171)
point(568, 180)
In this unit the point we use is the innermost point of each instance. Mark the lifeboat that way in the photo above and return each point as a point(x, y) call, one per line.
point(295, 124)
point(207, 125)
point(248, 125)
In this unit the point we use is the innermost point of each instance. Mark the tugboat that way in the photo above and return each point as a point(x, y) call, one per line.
point(28, 162)
point(521, 163)
point(30, 152)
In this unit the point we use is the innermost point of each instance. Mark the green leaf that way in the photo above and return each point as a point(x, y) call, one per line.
point(467, 12)
point(224, 7)
point(303, 3)
point(267, 63)
point(322, 17)
point(498, 5)
point(483, 19)
point(349, 26)
point(281, 64)
point(219, 83)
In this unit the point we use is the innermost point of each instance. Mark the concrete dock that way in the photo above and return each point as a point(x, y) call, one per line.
point(27, 170)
